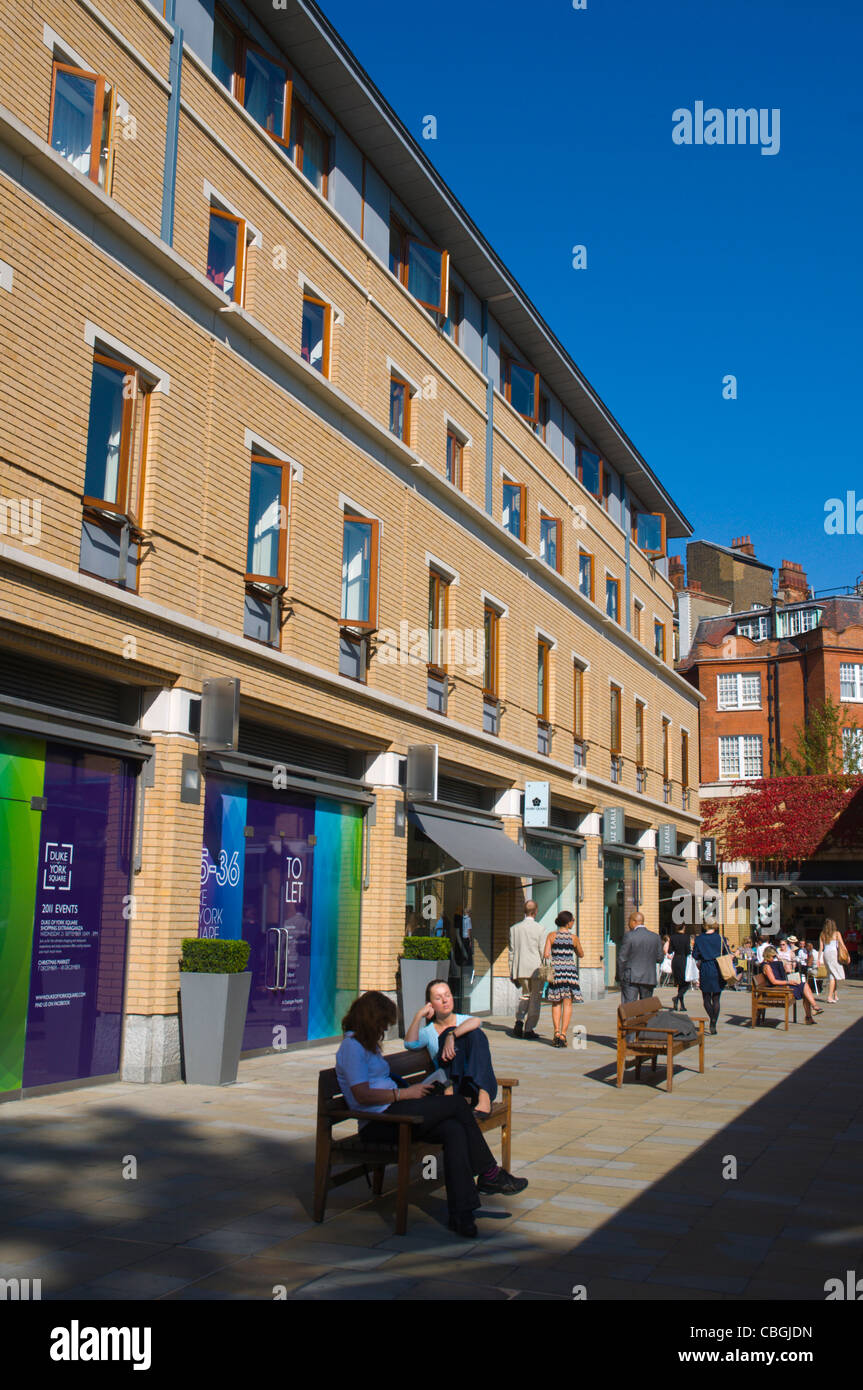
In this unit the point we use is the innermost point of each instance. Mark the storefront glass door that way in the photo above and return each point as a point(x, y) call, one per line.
point(620, 900)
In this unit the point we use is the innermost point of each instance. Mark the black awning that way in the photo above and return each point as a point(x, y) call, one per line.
point(483, 848)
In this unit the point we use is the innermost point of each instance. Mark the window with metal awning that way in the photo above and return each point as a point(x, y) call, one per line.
point(479, 846)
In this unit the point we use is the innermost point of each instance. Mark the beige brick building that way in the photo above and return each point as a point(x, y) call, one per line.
point(273, 412)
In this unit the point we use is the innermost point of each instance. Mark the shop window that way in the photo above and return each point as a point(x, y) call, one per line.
point(454, 459)
point(550, 532)
point(310, 148)
point(612, 598)
point(648, 532)
point(585, 574)
point(267, 548)
point(317, 333)
point(226, 253)
point(491, 670)
point(520, 385)
point(114, 471)
point(589, 471)
point(400, 408)
point(514, 509)
point(82, 109)
point(421, 268)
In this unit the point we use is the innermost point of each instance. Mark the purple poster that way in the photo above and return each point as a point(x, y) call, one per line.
point(75, 1007)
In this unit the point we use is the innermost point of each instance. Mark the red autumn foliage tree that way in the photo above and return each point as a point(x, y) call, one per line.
point(778, 820)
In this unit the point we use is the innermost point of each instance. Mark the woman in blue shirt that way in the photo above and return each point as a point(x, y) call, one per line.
point(457, 1044)
point(368, 1087)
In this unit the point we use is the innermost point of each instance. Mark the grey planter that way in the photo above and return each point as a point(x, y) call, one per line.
point(415, 975)
point(213, 1011)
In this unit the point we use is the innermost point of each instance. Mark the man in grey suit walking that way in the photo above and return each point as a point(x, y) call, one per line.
point(640, 953)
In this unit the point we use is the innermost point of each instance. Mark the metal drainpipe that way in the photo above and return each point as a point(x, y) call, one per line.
point(172, 130)
point(489, 410)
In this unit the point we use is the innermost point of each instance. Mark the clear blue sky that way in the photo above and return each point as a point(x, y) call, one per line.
point(554, 129)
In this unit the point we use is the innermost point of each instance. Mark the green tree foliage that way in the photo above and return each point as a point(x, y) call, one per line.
point(819, 749)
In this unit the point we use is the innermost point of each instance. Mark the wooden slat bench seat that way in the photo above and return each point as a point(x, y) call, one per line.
point(634, 1019)
point(361, 1156)
point(766, 996)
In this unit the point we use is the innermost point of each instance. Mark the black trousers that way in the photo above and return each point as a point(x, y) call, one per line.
point(447, 1120)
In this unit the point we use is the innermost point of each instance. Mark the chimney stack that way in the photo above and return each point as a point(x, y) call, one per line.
point(744, 545)
point(676, 572)
point(792, 585)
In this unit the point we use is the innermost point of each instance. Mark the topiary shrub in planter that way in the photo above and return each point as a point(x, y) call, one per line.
point(423, 959)
point(214, 997)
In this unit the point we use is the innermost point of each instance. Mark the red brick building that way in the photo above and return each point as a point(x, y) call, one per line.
point(762, 670)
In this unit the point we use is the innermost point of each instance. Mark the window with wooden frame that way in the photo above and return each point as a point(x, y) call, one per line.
point(649, 533)
point(520, 385)
point(491, 654)
point(226, 253)
point(614, 721)
point(515, 508)
point(266, 548)
point(310, 147)
point(454, 315)
point(317, 333)
point(117, 438)
point(550, 535)
point(578, 702)
point(259, 81)
point(659, 640)
point(438, 610)
point(589, 471)
point(454, 458)
point(612, 598)
point(684, 759)
point(400, 408)
point(637, 610)
point(543, 667)
point(360, 551)
point(81, 119)
point(540, 429)
point(666, 751)
point(421, 268)
point(585, 574)
point(639, 734)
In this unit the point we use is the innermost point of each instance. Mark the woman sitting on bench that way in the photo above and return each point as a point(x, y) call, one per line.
point(367, 1086)
point(457, 1044)
point(774, 974)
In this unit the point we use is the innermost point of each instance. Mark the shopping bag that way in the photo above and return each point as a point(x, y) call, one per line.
point(691, 972)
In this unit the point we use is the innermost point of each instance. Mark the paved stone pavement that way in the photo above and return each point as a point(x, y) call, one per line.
point(627, 1194)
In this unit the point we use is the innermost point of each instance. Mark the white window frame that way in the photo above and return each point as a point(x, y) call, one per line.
point(740, 740)
point(761, 620)
point(738, 677)
point(856, 669)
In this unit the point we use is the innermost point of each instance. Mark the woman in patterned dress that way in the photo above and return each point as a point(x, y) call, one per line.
point(563, 950)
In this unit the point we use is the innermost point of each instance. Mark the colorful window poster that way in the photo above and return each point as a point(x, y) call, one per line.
point(64, 894)
point(283, 871)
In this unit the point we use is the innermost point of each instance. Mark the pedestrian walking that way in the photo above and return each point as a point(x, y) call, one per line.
point(708, 947)
point(526, 940)
point(834, 955)
point(680, 946)
point(640, 953)
point(563, 950)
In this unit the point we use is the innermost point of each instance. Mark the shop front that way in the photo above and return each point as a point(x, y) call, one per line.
point(67, 814)
point(282, 868)
point(622, 895)
point(454, 862)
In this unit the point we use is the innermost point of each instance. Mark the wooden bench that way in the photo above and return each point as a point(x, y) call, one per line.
point(766, 996)
point(404, 1150)
point(634, 1018)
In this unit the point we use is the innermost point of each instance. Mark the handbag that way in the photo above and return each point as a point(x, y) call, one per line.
point(821, 972)
point(844, 958)
point(546, 972)
point(665, 967)
point(793, 977)
point(725, 966)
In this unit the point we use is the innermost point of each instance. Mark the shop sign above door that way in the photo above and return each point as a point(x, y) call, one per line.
point(667, 841)
point(613, 826)
point(536, 803)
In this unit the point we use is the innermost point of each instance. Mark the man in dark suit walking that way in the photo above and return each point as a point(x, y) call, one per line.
point(640, 953)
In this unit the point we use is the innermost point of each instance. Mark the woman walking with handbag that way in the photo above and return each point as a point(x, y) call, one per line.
point(680, 948)
point(562, 953)
point(706, 952)
point(834, 954)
